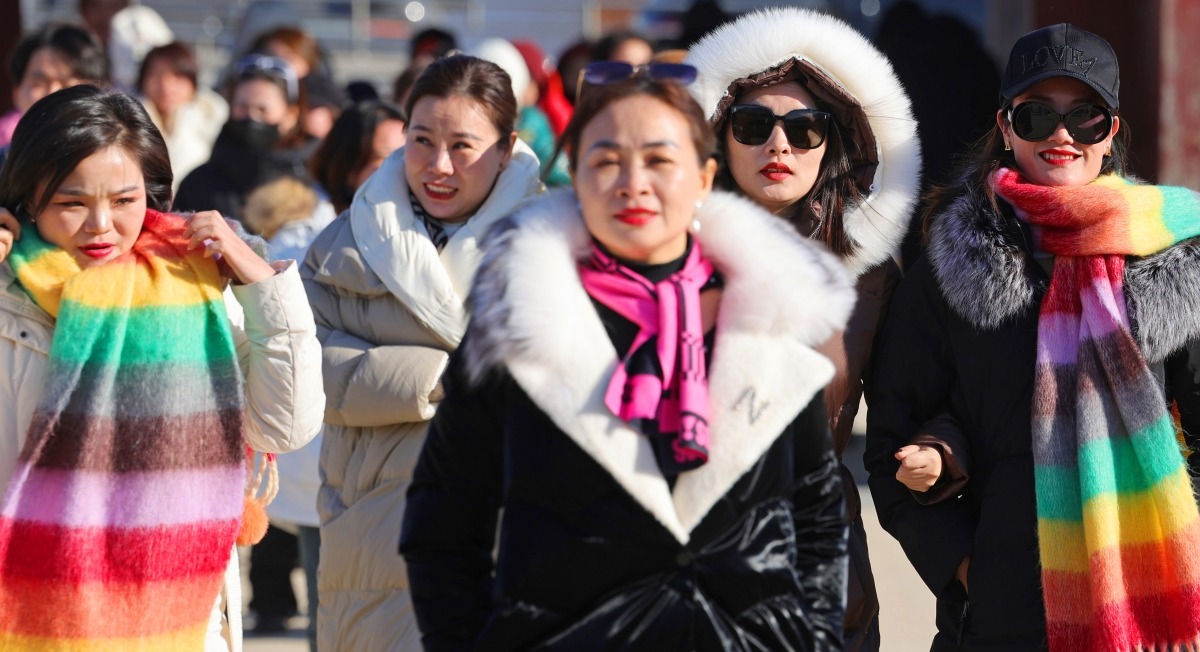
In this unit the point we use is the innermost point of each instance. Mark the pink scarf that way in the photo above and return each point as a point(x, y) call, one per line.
point(661, 380)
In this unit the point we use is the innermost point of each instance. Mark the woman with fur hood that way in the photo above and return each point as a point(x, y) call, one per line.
point(1053, 315)
point(815, 127)
point(387, 281)
point(579, 408)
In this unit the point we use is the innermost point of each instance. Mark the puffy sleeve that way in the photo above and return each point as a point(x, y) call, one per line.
point(277, 347)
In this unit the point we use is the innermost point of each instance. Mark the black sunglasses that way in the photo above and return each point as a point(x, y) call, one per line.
point(600, 73)
point(1035, 121)
point(752, 125)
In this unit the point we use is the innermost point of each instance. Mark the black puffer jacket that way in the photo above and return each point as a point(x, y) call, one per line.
point(962, 336)
point(234, 170)
point(597, 551)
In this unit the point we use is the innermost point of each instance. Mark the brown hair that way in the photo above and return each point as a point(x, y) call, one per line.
point(480, 80)
point(297, 40)
point(178, 57)
point(78, 122)
point(346, 148)
point(833, 192)
point(988, 154)
point(594, 99)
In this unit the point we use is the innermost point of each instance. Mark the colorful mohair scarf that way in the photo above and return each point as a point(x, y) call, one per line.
point(118, 523)
point(660, 384)
point(1118, 529)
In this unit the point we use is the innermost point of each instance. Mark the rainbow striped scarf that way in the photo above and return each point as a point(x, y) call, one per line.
point(118, 523)
point(1118, 529)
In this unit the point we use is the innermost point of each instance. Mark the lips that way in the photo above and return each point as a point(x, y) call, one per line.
point(97, 250)
point(776, 171)
point(636, 216)
point(439, 192)
point(1058, 156)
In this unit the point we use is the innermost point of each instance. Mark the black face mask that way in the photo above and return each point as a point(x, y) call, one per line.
point(258, 136)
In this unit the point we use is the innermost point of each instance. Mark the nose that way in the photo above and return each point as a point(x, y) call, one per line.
point(440, 163)
point(777, 142)
point(99, 220)
point(1060, 134)
point(633, 182)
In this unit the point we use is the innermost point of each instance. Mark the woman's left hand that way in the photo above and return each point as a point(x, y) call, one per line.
point(209, 230)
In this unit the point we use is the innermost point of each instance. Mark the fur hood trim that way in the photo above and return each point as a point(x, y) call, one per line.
point(395, 245)
point(782, 296)
point(770, 38)
point(988, 277)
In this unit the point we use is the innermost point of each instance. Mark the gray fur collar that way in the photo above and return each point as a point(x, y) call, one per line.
point(987, 278)
point(782, 296)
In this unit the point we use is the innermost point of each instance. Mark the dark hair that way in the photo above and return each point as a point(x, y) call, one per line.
point(178, 57)
point(405, 80)
point(86, 57)
point(297, 40)
point(989, 154)
point(75, 123)
point(594, 99)
point(347, 147)
point(297, 136)
point(432, 42)
point(833, 192)
point(608, 44)
point(480, 80)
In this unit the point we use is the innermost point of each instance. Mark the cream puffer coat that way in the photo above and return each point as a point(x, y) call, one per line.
point(389, 310)
point(277, 346)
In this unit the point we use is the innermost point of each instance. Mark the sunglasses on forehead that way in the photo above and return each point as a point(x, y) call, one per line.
point(273, 67)
point(752, 125)
point(600, 73)
point(1035, 121)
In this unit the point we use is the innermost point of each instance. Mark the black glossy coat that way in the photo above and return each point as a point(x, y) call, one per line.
point(581, 565)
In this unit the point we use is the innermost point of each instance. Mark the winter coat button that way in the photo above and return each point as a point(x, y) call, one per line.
point(684, 559)
point(24, 334)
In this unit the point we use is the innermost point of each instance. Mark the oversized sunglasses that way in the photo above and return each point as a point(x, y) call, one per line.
point(600, 73)
point(1035, 121)
point(752, 125)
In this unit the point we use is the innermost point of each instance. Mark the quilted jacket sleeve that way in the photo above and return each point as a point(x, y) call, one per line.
point(277, 345)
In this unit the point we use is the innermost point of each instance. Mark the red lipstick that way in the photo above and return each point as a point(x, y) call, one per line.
point(1058, 156)
point(775, 171)
point(97, 250)
point(636, 216)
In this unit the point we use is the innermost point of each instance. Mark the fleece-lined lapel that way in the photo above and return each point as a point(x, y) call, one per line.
point(395, 245)
point(782, 296)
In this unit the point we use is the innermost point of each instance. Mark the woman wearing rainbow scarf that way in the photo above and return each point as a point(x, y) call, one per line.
point(1053, 315)
point(126, 410)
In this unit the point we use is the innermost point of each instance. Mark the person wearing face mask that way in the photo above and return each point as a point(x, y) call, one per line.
point(264, 139)
point(815, 128)
point(1053, 314)
point(638, 403)
point(387, 282)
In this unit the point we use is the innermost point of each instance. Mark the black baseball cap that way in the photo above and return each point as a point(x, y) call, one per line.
point(1061, 50)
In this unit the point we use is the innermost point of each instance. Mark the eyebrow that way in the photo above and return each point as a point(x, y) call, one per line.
point(457, 134)
point(80, 192)
point(609, 144)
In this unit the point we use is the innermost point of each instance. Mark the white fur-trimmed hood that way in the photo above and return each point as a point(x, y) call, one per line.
point(782, 296)
point(768, 38)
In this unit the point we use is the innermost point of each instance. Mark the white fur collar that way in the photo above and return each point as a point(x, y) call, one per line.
point(394, 243)
point(765, 39)
point(783, 295)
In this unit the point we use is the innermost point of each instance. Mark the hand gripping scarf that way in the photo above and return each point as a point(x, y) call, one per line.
point(118, 523)
point(660, 384)
point(1118, 531)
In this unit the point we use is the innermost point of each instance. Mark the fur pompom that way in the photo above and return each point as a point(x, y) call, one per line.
point(254, 522)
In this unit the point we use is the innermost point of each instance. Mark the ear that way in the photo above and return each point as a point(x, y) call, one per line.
point(512, 142)
point(1115, 129)
point(708, 172)
point(1004, 127)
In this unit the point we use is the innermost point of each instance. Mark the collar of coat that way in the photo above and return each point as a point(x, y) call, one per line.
point(858, 77)
point(985, 274)
point(782, 295)
point(394, 243)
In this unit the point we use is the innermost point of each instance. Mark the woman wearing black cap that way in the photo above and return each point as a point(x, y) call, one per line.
point(1053, 316)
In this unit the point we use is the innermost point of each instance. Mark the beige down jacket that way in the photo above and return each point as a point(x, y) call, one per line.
point(275, 338)
point(389, 309)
